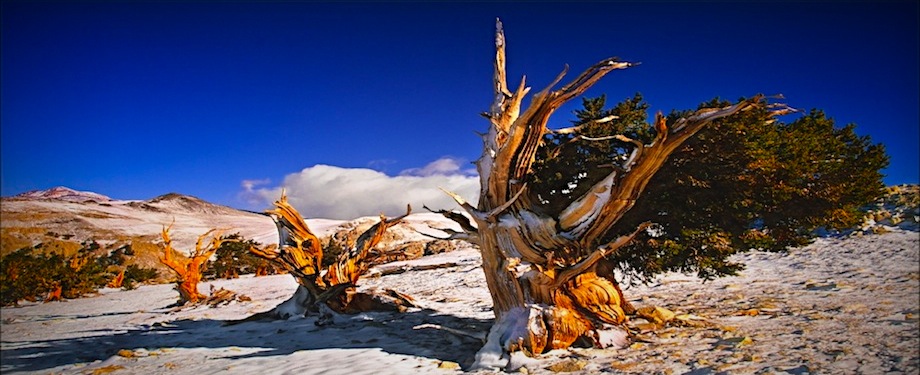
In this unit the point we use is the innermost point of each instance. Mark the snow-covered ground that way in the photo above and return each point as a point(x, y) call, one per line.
point(839, 306)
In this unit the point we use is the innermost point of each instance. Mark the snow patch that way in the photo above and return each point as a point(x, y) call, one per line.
point(841, 305)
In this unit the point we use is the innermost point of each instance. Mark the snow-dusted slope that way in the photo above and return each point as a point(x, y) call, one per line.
point(65, 214)
point(65, 194)
point(35, 217)
point(842, 305)
point(847, 305)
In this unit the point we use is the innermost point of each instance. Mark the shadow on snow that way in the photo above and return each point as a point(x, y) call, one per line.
point(391, 332)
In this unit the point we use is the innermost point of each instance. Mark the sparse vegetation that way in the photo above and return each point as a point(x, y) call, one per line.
point(135, 274)
point(44, 272)
point(29, 274)
point(52, 271)
point(233, 259)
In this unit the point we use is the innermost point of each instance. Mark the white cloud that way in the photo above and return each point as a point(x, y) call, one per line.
point(442, 167)
point(249, 184)
point(324, 191)
point(249, 194)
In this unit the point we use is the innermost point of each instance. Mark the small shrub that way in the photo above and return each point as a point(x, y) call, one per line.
point(17, 282)
point(136, 274)
point(30, 274)
point(233, 258)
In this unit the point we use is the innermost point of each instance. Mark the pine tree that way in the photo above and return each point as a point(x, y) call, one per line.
point(559, 211)
point(233, 258)
point(744, 182)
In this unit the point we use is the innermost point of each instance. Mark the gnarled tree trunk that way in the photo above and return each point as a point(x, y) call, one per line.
point(541, 270)
point(189, 269)
point(330, 290)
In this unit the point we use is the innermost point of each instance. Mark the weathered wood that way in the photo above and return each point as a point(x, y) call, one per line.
point(118, 281)
point(395, 270)
point(223, 296)
point(189, 270)
point(542, 271)
point(330, 290)
point(469, 232)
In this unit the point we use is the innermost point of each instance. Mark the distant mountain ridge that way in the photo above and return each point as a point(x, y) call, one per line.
point(66, 217)
point(62, 218)
point(65, 194)
point(64, 214)
point(175, 202)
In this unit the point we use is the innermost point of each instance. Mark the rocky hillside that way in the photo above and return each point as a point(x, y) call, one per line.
point(61, 219)
point(64, 194)
point(898, 207)
point(56, 216)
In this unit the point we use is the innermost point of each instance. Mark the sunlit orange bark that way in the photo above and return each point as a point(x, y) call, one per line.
point(118, 281)
point(54, 294)
point(189, 270)
point(301, 254)
point(541, 270)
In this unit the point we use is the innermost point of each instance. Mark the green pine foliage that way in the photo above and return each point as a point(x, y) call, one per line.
point(233, 258)
point(30, 273)
point(747, 181)
point(17, 283)
point(135, 274)
point(567, 167)
point(331, 252)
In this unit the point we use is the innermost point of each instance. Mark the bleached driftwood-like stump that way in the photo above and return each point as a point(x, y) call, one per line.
point(327, 290)
point(541, 270)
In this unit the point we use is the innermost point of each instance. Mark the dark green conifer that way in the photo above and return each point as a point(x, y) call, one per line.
point(745, 181)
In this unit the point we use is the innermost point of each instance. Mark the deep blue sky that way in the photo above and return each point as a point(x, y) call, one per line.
point(134, 100)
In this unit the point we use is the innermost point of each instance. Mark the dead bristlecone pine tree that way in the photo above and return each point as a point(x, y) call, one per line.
point(189, 269)
point(325, 291)
point(541, 269)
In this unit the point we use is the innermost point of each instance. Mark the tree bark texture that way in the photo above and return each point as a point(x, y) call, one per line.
point(541, 270)
point(189, 270)
point(330, 290)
